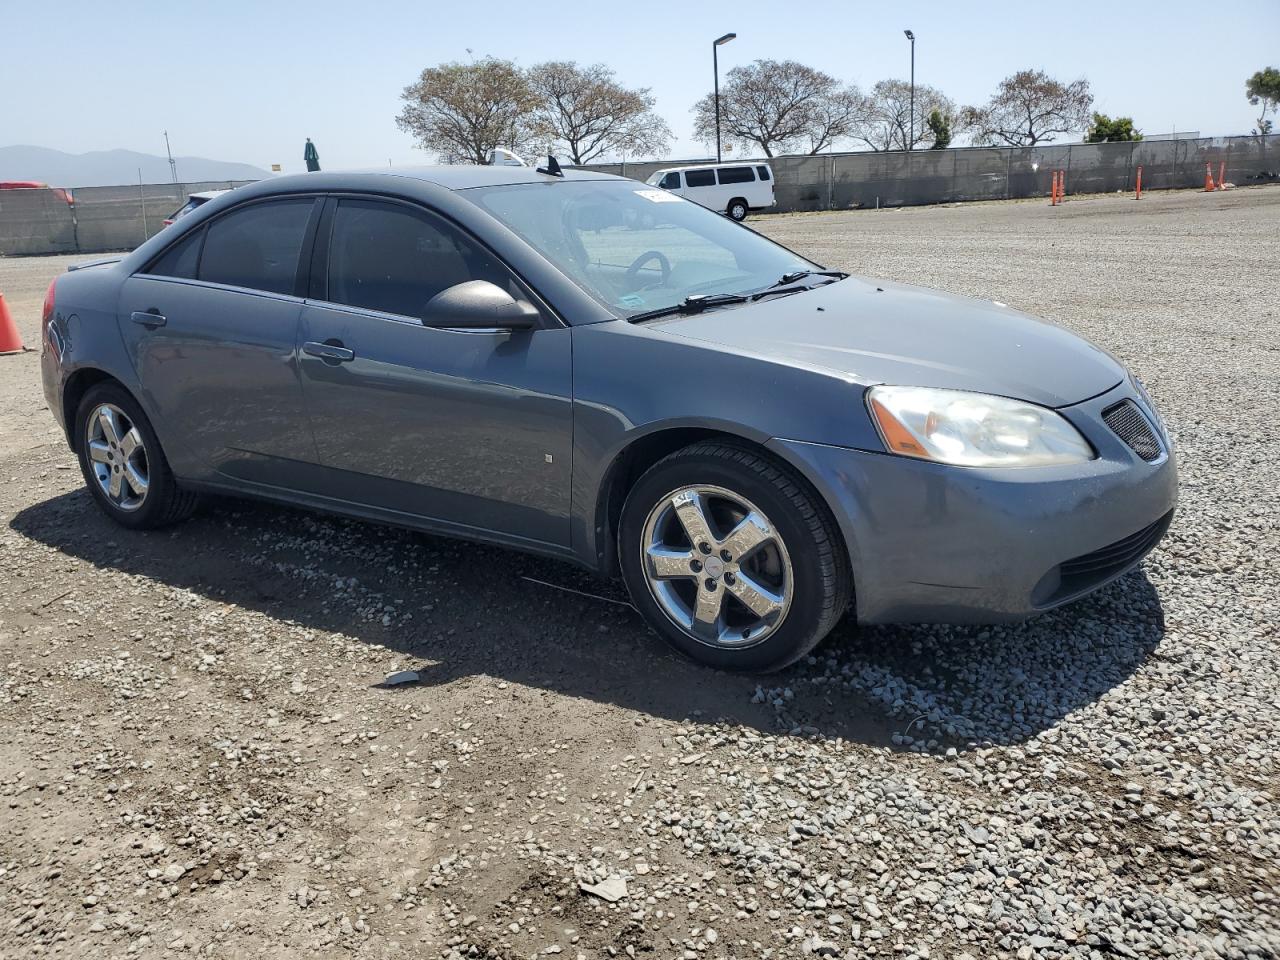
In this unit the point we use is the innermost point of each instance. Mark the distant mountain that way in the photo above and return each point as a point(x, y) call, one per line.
point(105, 168)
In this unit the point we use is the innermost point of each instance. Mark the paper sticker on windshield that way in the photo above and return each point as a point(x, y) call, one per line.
point(658, 196)
point(631, 300)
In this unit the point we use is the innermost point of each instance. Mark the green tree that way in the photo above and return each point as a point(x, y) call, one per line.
point(1263, 88)
point(1106, 130)
point(940, 126)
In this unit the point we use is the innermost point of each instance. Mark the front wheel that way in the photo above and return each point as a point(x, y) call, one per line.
point(737, 210)
point(730, 559)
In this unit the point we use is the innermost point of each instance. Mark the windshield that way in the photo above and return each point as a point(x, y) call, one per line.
point(636, 248)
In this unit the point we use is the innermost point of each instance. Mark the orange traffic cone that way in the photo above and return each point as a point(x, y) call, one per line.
point(1208, 178)
point(10, 342)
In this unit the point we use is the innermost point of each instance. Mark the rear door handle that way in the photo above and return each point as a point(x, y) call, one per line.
point(148, 318)
point(331, 351)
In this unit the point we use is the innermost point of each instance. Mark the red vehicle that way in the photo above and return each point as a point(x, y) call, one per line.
point(62, 194)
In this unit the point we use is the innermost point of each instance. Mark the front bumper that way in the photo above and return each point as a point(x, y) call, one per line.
point(935, 543)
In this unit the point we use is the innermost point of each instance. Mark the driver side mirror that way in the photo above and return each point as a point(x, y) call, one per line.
point(479, 305)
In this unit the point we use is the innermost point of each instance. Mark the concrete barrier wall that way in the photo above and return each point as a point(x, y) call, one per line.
point(101, 220)
point(35, 221)
point(105, 219)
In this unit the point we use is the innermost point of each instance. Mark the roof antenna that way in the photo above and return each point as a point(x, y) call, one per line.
point(552, 169)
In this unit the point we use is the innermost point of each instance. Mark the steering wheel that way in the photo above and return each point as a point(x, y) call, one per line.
point(633, 271)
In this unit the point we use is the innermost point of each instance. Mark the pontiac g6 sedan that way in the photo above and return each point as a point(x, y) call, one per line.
point(593, 369)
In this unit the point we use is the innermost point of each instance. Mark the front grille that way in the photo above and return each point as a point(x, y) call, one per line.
point(1082, 573)
point(1132, 426)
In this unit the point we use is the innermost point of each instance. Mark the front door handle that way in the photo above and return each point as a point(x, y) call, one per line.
point(148, 318)
point(331, 351)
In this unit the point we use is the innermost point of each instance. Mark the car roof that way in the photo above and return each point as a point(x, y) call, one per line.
point(712, 165)
point(455, 176)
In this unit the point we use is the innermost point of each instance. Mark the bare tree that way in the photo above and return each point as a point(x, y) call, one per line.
point(1030, 107)
point(591, 114)
point(462, 111)
point(836, 116)
point(888, 124)
point(776, 105)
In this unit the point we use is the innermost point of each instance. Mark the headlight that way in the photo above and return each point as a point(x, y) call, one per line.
point(973, 429)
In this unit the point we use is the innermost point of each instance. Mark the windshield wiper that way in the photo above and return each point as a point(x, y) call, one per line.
point(784, 283)
point(795, 275)
point(692, 304)
point(701, 301)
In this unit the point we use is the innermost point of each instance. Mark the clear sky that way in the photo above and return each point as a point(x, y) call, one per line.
point(243, 80)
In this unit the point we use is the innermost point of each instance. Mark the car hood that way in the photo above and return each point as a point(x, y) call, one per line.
point(879, 332)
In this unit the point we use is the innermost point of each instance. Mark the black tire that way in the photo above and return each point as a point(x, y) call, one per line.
point(737, 209)
point(821, 583)
point(165, 502)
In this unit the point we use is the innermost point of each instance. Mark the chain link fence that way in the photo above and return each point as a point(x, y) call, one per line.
point(841, 181)
point(102, 219)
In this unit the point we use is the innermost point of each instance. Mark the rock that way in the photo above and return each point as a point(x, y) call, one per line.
point(611, 889)
point(401, 677)
point(820, 948)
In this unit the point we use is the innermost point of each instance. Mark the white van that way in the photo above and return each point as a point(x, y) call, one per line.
point(732, 188)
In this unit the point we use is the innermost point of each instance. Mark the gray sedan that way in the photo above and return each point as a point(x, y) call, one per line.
point(592, 369)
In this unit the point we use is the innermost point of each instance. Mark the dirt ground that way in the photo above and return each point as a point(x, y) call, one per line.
point(198, 754)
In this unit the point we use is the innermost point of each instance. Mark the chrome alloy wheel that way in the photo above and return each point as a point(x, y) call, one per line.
point(117, 456)
point(716, 566)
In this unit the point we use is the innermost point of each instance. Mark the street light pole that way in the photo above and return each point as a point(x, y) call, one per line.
point(715, 68)
point(911, 123)
point(173, 167)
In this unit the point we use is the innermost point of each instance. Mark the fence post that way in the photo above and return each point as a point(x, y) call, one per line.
point(1067, 172)
point(75, 223)
point(142, 199)
point(955, 172)
point(1128, 170)
point(1008, 163)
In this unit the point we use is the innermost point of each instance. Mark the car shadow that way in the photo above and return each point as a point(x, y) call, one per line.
point(456, 610)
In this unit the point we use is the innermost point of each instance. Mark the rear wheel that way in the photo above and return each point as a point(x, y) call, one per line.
point(123, 466)
point(730, 559)
point(737, 209)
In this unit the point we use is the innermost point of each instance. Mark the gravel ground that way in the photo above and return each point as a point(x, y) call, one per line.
point(200, 755)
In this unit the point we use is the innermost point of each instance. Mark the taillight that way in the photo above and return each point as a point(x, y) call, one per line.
point(46, 312)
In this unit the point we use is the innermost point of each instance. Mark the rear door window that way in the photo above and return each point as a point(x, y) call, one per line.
point(764, 172)
point(257, 246)
point(394, 258)
point(181, 259)
point(736, 175)
point(700, 178)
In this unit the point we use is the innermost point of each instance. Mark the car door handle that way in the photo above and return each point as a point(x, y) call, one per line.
point(148, 318)
point(331, 351)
